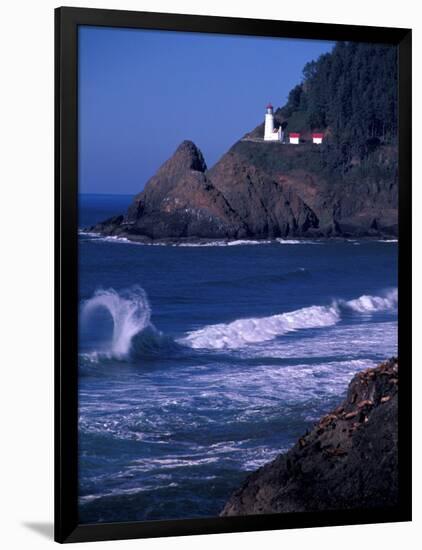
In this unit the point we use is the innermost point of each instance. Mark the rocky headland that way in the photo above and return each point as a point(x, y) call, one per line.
point(347, 460)
point(257, 190)
point(345, 187)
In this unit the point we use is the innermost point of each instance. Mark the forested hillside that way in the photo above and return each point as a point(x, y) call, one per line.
point(346, 91)
point(351, 95)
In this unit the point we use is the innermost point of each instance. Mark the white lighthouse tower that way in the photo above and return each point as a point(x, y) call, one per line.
point(271, 134)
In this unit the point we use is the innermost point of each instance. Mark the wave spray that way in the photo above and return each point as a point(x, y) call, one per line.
point(130, 312)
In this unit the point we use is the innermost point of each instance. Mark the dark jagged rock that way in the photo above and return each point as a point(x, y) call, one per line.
point(348, 460)
point(180, 201)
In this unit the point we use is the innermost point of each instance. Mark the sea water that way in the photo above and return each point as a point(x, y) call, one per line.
point(200, 363)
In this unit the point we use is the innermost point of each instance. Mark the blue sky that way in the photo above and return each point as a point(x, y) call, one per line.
point(143, 92)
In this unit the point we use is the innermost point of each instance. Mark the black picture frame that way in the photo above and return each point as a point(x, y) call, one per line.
point(67, 20)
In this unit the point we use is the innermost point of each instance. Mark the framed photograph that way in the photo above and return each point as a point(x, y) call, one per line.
point(233, 275)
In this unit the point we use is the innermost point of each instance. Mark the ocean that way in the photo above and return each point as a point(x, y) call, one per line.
point(200, 363)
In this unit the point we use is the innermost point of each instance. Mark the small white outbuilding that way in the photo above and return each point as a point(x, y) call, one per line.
point(317, 138)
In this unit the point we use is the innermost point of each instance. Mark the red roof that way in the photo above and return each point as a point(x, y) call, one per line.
point(294, 134)
point(269, 106)
point(317, 135)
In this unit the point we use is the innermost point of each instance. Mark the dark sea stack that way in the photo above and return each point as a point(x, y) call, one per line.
point(178, 202)
point(348, 460)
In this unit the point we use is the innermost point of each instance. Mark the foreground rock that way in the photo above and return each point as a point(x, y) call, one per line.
point(348, 460)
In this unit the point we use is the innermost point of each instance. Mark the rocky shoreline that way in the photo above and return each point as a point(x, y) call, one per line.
point(347, 460)
point(192, 241)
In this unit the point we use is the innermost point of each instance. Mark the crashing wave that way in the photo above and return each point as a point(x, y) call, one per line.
point(254, 330)
point(243, 332)
point(373, 304)
point(131, 316)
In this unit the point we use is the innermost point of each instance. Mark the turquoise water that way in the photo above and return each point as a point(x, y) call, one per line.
point(198, 364)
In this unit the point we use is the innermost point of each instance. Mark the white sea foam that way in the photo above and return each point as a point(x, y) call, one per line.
point(108, 239)
point(260, 456)
point(239, 242)
point(243, 332)
point(249, 331)
point(295, 241)
point(372, 304)
point(198, 244)
point(115, 238)
point(124, 240)
point(246, 242)
point(219, 242)
point(85, 499)
point(342, 340)
point(172, 462)
point(87, 233)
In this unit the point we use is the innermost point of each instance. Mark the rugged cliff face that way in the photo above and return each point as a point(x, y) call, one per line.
point(348, 460)
point(257, 190)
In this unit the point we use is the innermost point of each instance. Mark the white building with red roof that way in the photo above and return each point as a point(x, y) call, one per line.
point(294, 138)
point(317, 138)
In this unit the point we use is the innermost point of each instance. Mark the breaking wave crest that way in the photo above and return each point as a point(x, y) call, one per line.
point(251, 331)
point(130, 312)
point(243, 332)
point(372, 304)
